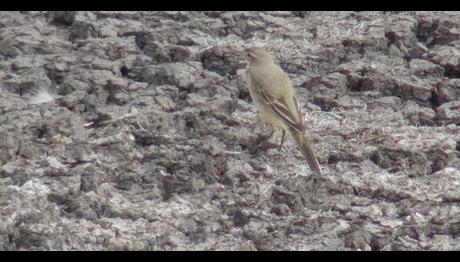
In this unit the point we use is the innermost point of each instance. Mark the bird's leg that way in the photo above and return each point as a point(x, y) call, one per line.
point(282, 139)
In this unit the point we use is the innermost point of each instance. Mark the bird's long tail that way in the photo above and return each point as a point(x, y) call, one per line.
point(305, 148)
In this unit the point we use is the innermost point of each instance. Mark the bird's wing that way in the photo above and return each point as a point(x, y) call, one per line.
point(288, 111)
point(281, 108)
point(297, 108)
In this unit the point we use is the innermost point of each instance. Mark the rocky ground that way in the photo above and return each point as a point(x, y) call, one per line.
point(135, 131)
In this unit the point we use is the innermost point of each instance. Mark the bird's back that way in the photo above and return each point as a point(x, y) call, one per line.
point(271, 76)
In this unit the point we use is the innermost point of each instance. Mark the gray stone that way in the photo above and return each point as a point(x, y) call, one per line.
point(448, 113)
point(134, 131)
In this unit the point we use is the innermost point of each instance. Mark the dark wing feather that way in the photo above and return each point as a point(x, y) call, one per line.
point(279, 106)
point(297, 107)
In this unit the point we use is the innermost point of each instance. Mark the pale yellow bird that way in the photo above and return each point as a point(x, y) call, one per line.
point(274, 97)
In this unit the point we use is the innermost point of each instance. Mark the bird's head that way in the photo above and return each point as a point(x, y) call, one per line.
point(256, 55)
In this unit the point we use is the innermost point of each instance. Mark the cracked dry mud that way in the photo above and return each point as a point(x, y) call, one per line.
point(134, 131)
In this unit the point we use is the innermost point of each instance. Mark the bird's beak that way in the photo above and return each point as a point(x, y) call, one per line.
point(248, 54)
point(248, 51)
point(243, 55)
